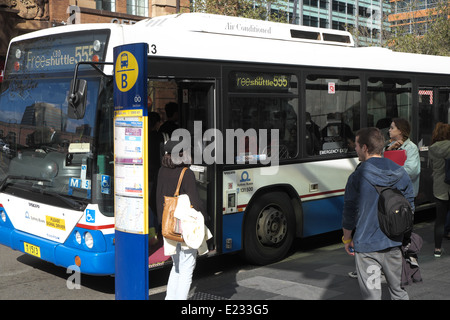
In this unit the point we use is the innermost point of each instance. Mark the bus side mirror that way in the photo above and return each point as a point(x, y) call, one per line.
point(77, 99)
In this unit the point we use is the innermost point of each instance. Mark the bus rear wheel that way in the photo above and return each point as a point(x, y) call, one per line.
point(269, 229)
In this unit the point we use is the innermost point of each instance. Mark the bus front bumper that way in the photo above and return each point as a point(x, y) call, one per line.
point(60, 254)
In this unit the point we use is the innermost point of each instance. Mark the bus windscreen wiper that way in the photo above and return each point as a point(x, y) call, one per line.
point(72, 203)
point(24, 178)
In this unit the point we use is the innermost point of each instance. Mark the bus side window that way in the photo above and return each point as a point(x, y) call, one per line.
point(337, 133)
point(264, 104)
point(313, 136)
point(383, 124)
point(270, 114)
point(389, 98)
point(333, 104)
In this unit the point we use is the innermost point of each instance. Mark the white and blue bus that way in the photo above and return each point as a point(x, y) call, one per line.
point(310, 85)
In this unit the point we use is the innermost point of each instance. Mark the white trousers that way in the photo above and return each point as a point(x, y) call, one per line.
point(180, 277)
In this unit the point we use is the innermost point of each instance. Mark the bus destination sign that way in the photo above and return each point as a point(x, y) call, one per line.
point(55, 53)
point(259, 82)
point(35, 60)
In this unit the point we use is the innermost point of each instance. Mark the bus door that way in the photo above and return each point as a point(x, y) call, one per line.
point(434, 107)
point(197, 105)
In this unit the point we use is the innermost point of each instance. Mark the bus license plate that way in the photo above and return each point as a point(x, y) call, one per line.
point(32, 249)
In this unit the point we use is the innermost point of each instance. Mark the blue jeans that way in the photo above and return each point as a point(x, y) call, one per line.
point(180, 277)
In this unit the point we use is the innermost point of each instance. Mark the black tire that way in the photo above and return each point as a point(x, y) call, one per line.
point(269, 229)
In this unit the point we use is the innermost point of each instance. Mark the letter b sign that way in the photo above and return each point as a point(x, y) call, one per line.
point(127, 71)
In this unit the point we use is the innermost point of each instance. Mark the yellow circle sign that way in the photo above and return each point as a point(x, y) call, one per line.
point(127, 71)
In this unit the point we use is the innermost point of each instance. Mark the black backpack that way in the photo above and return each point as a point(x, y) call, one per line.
point(395, 214)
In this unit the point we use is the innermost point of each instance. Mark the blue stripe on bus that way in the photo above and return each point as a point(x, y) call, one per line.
point(320, 216)
point(232, 229)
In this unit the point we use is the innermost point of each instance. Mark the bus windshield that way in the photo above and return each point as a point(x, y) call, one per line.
point(36, 133)
point(42, 148)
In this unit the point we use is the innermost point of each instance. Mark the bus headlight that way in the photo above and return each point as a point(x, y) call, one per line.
point(88, 240)
point(77, 237)
point(3, 216)
point(97, 45)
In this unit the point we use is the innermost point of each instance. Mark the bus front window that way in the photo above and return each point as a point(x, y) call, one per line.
point(46, 153)
point(40, 146)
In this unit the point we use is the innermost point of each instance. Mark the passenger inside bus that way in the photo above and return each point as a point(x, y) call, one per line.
point(337, 134)
point(171, 123)
point(384, 124)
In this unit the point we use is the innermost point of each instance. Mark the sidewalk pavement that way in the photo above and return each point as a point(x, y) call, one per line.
point(320, 274)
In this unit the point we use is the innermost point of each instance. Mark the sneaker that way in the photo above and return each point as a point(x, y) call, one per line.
point(437, 253)
point(353, 275)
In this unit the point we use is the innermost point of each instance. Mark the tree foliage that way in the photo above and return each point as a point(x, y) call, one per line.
point(271, 10)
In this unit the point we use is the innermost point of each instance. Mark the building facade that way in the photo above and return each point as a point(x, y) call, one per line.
point(413, 15)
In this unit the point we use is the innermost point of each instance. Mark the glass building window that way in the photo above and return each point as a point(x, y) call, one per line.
point(137, 7)
point(109, 5)
point(310, 21)
point(350, 9)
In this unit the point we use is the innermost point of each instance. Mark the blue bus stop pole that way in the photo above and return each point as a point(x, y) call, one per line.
point(131, 279)
point(131, 172)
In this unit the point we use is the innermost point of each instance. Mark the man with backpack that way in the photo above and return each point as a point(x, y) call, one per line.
point(374, 251)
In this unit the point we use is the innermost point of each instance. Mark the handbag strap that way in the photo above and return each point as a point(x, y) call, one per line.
point(177, 191)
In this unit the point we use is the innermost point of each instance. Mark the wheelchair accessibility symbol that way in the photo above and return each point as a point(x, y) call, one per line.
point(126, 71)
point(106, 184)
point(90, 215)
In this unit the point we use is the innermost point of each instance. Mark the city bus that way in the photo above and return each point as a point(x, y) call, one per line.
point(304, 90)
